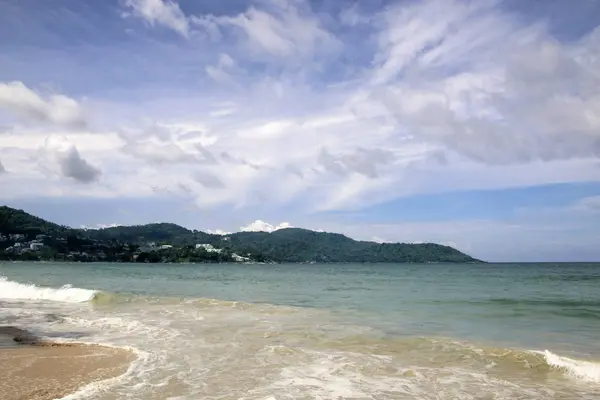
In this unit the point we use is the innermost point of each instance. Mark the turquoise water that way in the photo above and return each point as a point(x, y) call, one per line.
point(324, 331)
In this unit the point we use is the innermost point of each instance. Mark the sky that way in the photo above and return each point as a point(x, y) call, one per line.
point(474, 124)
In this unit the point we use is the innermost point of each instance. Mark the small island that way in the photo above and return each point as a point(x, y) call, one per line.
point(24, 237)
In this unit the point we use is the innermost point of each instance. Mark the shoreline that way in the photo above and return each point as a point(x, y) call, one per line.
point(35, 369)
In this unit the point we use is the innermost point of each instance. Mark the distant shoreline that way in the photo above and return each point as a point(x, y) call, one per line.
point(273, 262)
point(29, 238)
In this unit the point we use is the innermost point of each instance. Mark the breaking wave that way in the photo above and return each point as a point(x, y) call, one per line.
point(584, 370)
point(10, 290)
point(588, 371)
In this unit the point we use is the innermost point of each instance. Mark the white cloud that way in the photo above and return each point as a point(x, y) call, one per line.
point(2, 169)
point(283, 31)
point(517, 95)
point(256, 226)
point(62, 153)
point(26, 103)
point(208, 180)
point(276, 107)
point(167, 144)
point(162, 12)
point(99, 226)
point(377, 239)
point(361, 161)
point(222, 71)
point(352, 16)
point(262, 226)
point(158, 153)
point(218, 232)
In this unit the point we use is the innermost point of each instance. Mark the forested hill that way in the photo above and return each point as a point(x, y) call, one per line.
point(300, 245)
point(18, 221)
point(171, 242)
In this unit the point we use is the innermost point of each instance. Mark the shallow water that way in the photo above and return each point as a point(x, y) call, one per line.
point(347, 331)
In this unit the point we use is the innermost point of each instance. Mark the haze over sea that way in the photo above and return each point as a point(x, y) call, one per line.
point(477, 331)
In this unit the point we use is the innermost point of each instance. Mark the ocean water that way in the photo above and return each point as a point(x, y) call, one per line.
point(271, 332)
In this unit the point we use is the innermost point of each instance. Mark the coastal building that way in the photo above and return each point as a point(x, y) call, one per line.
point(165, 246)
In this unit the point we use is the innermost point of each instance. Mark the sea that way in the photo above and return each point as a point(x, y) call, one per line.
point(322, 331)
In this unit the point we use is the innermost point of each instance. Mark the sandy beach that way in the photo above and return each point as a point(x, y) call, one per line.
point(38, 370)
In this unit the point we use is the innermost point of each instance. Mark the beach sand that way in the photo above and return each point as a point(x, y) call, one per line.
point(38, 370)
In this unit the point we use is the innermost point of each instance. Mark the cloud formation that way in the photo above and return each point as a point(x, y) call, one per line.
point(283, 106)
point(441, 88)
point(164, 144)
point(55, 109)
point(262, 226)
point(69, 161)
point(282, 31)
point(517, 96)
point(361, 161)
point(99, 226)
point(285, 30)
point(208, 180)
point(221, 72)
point(256, 226)
point(159, 12)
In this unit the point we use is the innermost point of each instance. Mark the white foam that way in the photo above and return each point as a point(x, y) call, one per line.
point(584, 370)
point(103, 385)
point(66, 294)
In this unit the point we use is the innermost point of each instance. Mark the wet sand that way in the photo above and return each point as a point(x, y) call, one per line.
point(31, 369)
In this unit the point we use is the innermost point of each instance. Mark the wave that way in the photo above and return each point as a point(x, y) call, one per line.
point(538, 360)
point(584, 370)
point(545, 302)
point(451, 353)
point(10, 290)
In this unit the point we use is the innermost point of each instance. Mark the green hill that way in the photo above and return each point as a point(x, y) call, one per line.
point(301, 245)
point(18, 221)
point(157, 232)
point(125, 243)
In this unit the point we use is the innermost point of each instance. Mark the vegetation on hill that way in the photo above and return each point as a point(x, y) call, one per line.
point(18, 221)
point(157, 232)
point(301, 245)
point(165, 242)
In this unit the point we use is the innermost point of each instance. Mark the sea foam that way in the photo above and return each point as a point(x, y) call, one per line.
point(66, 294)
point(584, 370)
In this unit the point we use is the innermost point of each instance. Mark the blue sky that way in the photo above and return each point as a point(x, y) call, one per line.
point(474, 124)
